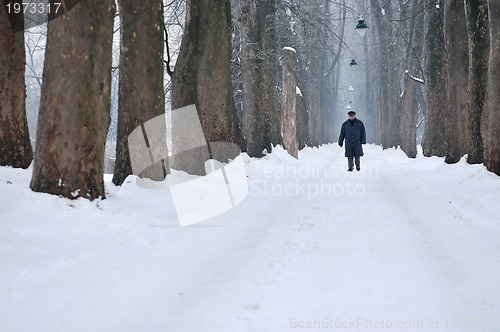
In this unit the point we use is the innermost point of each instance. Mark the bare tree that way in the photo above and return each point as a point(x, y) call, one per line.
point(478, 31)
point(174, 16)
point(313, 66)
point(202, 75)
point(288, 22)
point(491, 119)
point(289, 102)
point(74, 110)
point(409, 100)
point(259, 66)
point(333, 50)
point(15, 145)
point(35, 40)
point(435, 141)
point(457, 68)
point(388, 66)
point(141, 91)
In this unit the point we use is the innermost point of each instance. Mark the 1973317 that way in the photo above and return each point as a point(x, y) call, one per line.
point(34, 8)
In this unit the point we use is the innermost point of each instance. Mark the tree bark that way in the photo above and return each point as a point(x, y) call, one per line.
point(409, 106)
point(409, 100)
point(435, 140)
point(74, 111)
point(312, 68)
point(259, 73)
point(313, 94)
point(15, 144)
point(491, 119)
point(303, 139)
point(202, 75)
point(331, 77)
point(393, 93)
point(478, 31)
point(457, 68)
point(141, 92)
point(288, 103)
point(389, 125)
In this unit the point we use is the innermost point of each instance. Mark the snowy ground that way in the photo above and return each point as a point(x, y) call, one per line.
point(408, 245)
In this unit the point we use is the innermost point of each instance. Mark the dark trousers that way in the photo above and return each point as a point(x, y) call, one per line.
point(352, 160)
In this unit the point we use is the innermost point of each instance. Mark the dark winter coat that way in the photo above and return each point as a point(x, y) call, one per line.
point(354, 134)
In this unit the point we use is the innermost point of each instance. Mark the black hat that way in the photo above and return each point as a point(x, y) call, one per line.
point(351, 113)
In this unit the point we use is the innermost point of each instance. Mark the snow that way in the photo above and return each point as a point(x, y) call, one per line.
point(407, 72)
point(404, 244)
point(297, 91)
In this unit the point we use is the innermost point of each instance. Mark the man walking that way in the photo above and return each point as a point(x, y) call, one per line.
point(353, 131)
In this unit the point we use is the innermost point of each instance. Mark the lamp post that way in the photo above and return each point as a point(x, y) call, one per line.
point(361, 27)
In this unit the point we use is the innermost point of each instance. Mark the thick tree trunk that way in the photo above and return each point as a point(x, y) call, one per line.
point(74, 109)
point(409, 100)
point(409, 106)
point(288, 34)
point(203, 75)
point(435, 140)
point(478, 31)
point(491, 119)
point(15, 145)
point(457, 63)
point(288, 102)
point(393, 92)
point(259, 72)
point(141, 93)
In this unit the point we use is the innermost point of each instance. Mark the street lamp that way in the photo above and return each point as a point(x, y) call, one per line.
point(361, 27)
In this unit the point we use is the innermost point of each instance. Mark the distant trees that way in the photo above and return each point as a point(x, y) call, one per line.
point(315, 28)
point(459, 74)
point(259, 73)
point(74, 110)
point(387, 69)
point(15, 145)
point(313, 64)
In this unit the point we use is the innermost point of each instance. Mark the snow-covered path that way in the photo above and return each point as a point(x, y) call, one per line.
point(402, 245)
